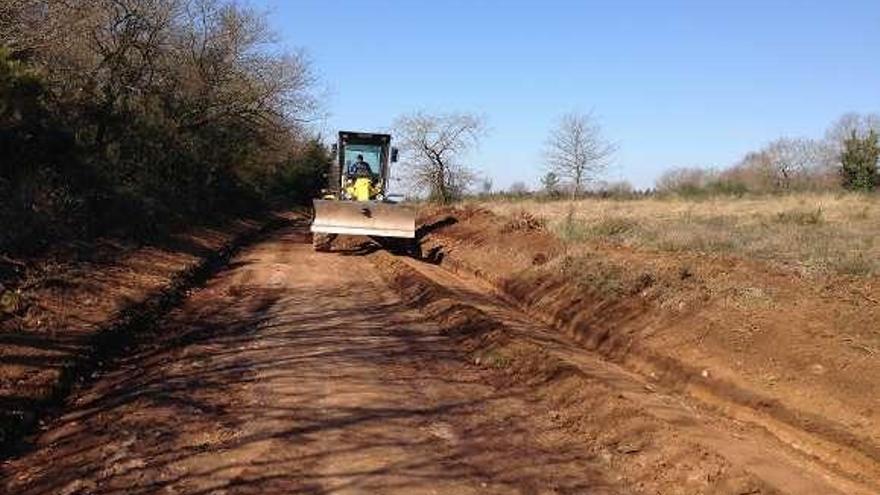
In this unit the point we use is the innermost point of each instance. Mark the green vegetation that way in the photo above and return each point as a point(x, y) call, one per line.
point(550, 184)
point(132, 117)
point(859, 161)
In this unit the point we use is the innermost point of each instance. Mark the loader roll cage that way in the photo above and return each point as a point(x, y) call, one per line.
point(374, 147)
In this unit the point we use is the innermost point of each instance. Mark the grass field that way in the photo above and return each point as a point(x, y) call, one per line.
point(812, 233)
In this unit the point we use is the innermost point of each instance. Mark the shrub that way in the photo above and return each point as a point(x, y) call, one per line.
point(859, 161)
point(683, 181)
point(523, 221)
point(728, 188)
point(95, 140)
point(856, 264)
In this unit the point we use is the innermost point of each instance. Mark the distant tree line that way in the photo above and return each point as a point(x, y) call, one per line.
point(136, 115)
point(576, 155)
point(846, 159)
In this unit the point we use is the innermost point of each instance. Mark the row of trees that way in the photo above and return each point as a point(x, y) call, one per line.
point(434, 148)
point(847, 157)
point(576, 154)
point(136, 114)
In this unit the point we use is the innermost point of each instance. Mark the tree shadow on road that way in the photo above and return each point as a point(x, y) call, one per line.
point(280, 390)
point(92, 308)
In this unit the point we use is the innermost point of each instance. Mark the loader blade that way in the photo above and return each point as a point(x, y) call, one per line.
point(373, 218)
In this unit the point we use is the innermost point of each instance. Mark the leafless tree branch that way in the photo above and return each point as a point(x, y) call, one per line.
point(576, 151)
point(433, 147)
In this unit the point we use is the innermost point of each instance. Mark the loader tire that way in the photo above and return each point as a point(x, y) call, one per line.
point(322, 242)
point(402, 247)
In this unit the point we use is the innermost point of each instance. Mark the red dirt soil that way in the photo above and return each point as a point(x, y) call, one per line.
point(301, 372)
point(759, 345)
point(492, 365)
point(73, 299)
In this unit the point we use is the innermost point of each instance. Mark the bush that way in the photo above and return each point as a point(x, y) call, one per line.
point(613, 227)
point(523, 221)
point(859, 162)
point(728, 188)
point(41, 179)
point(685, 181)
point(135, 148)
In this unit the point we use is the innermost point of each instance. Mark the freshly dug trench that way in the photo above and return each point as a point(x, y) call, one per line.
point(642, 433)
point(756, 344)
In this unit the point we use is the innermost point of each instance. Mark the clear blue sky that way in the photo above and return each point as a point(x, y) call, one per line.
point(675, 83)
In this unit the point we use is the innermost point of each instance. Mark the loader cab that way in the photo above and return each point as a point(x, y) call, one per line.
point(376, 150)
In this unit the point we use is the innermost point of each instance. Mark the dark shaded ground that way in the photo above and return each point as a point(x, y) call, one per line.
point(84, 303)
point(301, 372)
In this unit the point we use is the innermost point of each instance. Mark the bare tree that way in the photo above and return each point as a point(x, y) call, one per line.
point(173, 104)
point(13, 14)
point(576, 150)
point(848, 123)
point(783, 165)
point(620, 188)
point(792, 161)
point(433, 147)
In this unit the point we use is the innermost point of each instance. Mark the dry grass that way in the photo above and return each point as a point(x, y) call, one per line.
point(815, 233)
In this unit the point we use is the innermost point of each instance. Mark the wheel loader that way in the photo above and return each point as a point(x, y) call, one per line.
point(358, 203)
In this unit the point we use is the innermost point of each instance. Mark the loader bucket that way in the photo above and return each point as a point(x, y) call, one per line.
point(374, 218)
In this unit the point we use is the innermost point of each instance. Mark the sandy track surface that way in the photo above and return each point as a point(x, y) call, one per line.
point(297, 372)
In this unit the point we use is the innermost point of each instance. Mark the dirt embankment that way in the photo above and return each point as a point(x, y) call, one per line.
point(66, 314)
point(605, 411)
point(795, 356)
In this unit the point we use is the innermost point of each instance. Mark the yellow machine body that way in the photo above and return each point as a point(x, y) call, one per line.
point(362, 189)
point(358, 205)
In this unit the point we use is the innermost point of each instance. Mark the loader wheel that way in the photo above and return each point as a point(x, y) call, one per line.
point(403, 247)
point(322, 242)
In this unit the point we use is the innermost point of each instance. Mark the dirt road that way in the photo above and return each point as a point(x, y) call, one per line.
point(296, 372)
